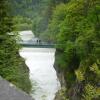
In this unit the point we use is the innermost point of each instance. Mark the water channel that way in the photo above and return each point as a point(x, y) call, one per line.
point(42, 73)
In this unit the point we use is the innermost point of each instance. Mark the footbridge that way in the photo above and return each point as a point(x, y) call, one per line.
point(37, 45)
point(28, 39)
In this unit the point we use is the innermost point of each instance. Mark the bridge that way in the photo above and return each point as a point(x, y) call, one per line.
point(37, 45)
point(28, 39)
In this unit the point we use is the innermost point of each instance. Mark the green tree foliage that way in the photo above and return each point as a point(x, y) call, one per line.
point(23, 11)
point(75, 28)
point(39, 11)
point(43, 16)
point(12, 67)
point(22, 23)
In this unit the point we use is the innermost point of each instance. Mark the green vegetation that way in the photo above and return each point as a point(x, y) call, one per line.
point(75, 26)
point(72, 24)
point(38, 11)
point(12, 67)
point(22, 23)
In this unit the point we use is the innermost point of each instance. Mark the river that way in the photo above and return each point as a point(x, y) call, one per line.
point(42, 73)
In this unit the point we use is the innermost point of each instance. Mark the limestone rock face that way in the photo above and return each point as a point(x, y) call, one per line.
point(10, 92)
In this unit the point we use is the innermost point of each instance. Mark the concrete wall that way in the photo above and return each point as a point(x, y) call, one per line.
point(10, 92)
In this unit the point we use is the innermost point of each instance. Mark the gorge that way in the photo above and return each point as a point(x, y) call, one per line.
point(40, 62)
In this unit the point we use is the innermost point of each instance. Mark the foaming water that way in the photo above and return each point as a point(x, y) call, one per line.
point(40, 62)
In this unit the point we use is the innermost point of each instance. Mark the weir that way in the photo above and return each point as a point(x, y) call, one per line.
point(28, 39)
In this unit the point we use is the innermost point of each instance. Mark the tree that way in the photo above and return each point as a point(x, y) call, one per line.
point(74, 28)
point(12, 67)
